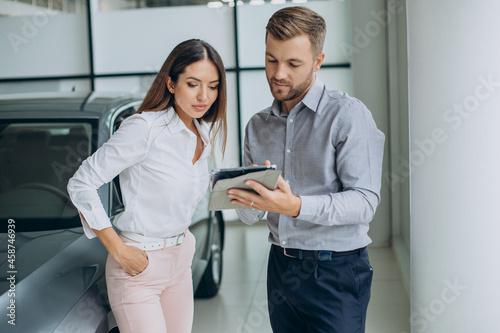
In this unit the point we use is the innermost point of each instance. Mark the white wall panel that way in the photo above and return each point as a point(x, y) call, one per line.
point(139, 84)
point(139, 40)
point(45, 86)
point(44, 44)
point(252, 21)
point(454, 99)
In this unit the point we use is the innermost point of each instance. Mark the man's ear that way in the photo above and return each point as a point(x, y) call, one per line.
point(319, 61)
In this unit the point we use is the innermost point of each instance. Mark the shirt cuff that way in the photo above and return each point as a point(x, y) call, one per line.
point(94, 216)
point(86, 229)
point(308, 208)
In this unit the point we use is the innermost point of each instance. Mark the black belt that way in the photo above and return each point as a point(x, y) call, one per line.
point(322, 255)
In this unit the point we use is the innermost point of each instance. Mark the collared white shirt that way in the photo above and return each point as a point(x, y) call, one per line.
point(152, 152)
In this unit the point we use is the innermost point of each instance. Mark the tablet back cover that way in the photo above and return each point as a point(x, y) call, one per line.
point(218, 197)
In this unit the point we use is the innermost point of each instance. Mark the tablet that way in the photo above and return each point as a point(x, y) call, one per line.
point(219, 174)
point(224, 179)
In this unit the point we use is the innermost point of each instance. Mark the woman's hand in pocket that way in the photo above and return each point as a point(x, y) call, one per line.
point(133, 260)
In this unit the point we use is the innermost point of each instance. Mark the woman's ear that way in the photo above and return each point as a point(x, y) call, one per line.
point(170, 85)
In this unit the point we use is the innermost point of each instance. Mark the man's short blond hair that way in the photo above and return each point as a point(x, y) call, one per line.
point(291, 22)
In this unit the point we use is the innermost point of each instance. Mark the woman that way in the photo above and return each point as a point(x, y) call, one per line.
point(161, 155)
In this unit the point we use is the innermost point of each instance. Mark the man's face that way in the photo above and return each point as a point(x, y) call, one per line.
point(290, 67)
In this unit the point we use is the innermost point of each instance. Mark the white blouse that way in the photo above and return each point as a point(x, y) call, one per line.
point(153, 153)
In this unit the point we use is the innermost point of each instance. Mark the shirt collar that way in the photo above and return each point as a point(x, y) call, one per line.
point(175, 125)
point(275, 108)
point(313, 96)
point(310, 100)
point(204, 130)
point(173, 122)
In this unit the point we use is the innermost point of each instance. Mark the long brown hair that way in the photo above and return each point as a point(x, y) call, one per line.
point(159, 97)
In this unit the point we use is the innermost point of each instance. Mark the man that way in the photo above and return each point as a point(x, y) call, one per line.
point(330, 153)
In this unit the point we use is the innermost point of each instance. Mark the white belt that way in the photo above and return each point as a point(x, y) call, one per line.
point(150, 243)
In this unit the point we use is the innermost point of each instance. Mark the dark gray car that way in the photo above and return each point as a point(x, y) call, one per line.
point(51, 275)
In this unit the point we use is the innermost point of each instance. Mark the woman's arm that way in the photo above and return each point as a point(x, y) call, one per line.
point(127, 146)
point(132, 259)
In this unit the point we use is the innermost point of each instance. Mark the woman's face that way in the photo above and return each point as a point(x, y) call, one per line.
point(196, 90)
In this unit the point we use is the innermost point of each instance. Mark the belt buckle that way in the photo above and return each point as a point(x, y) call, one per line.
point(286, 254)
point(177, 239)
point(324, 255)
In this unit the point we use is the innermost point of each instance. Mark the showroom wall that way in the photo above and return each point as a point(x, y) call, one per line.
point(454, 98)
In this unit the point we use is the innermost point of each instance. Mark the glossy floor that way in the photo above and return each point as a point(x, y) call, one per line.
point(241, 305)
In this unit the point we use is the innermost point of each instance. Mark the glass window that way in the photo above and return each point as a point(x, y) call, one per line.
point(37, 159)
point(44, 38)
point(31, 7)
point(45, 85)
point(253, 18)
point(133, 84)
point(139, 40)
point(108, 5)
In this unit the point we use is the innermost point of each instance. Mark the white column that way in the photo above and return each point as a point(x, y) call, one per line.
point(454, 78)
point(369, 70)
point(398, 140)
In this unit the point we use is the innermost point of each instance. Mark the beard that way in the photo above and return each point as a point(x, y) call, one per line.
point(294, 90)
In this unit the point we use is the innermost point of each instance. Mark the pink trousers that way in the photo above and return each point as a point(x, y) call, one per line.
point(159, 299)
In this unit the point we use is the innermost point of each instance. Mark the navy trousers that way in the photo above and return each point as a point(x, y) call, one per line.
point(309, 295)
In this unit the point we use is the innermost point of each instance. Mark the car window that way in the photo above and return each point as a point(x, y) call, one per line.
point(116, 194)
point(36, 161)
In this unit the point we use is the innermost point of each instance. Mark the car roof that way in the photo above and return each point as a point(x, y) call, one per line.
point(84, 104)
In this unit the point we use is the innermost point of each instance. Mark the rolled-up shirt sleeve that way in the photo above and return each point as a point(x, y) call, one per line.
point(359, 149)
point(126, 147)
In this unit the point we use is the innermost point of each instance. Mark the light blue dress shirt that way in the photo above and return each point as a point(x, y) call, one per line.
point(330, 152)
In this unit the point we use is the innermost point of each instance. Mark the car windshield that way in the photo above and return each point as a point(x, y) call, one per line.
point(36, 161)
